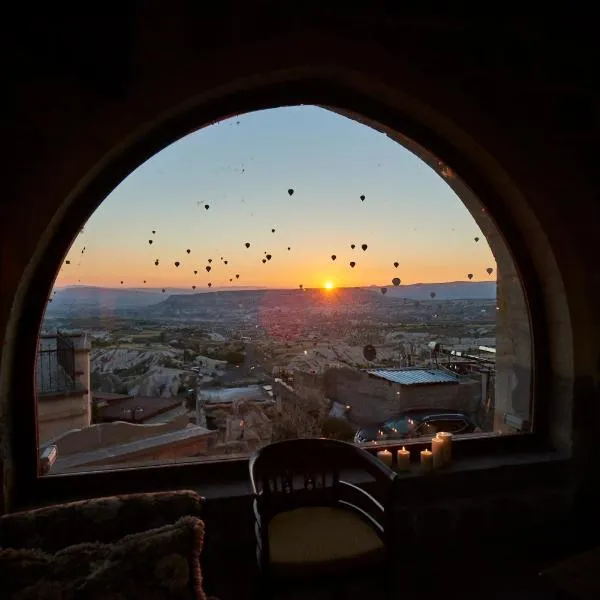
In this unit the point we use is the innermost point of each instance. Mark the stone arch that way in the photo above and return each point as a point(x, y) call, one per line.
point(159, 109)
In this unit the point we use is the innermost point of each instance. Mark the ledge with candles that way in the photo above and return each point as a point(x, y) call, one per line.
point(439, 456)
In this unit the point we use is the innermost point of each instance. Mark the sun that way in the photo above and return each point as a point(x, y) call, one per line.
point(329, 285)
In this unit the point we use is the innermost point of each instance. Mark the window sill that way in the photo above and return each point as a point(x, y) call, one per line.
point(466, 476)
point(550, 466)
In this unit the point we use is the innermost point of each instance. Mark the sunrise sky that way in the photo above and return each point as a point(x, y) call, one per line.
point(242, 168)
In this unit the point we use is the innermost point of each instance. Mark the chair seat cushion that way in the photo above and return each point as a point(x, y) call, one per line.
point(321, 538)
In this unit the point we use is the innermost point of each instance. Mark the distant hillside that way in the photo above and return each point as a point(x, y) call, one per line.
point(99, 297)
point(90, 297)
point(451, 290)
point(294, 300)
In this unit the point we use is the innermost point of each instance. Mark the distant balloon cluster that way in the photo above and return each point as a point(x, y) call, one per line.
point(268, 256)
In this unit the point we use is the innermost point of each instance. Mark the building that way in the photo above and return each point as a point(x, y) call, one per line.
point(63, 384)
point(379, 394)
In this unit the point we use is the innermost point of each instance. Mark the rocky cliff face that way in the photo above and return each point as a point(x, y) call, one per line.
point(139, 372)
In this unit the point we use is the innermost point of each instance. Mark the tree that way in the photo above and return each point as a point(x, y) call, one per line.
point(234, 358)
point(337, 429)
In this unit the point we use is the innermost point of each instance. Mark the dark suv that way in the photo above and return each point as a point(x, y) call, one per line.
point(417, 423)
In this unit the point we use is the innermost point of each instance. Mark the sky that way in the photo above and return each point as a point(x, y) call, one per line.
point(242, 168)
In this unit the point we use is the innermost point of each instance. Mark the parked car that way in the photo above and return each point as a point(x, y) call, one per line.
point(417, 423)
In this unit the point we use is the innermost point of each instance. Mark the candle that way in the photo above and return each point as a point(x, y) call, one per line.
point(426, 460)
point(447, 439)
point(403, 459)
point(385, 456)
point(437, 449)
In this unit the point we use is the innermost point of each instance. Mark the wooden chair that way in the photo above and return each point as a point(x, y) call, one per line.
point(312, 527)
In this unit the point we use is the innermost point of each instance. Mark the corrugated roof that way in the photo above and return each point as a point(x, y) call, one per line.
point(414, 376)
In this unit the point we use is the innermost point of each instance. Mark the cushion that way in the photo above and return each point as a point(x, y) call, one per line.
point(320, 539)
point(100, 519)
point(154, 565)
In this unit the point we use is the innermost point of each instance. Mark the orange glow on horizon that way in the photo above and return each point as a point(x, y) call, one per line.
point(329, 285)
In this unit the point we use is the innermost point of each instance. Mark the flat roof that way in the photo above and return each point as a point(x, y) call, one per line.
point(109, 396)
point(223, 395)
point(152, 406)
point(414, 376)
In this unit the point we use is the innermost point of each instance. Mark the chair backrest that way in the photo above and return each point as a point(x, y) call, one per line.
point(304, 472)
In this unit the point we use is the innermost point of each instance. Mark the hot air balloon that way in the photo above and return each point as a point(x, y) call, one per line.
point(156, 262)
point(384, 291)
point(264, 260)
point(300, 286)
point(289, 248)
point(247, 244)
point(470, 275)
point(272, 231)
point(153, 231)
point(188, 250)
point(489, 270)
point(396, 264)
point(210, 285)
point(476, 239)
point(208, 269)
point(268, 257)
point(230, 279)
point(352, 264)
point(176, 263)
point(352, 246)
point(163, 290)
point(210, 260)
point(225, 262)
point(121, 283)
point(67, 262)
point(333, 257)
point(290, 191)
point(149, 241)
point(362, 198)
point(237, 276)
point(144, 281)
point(396, 281)
point(432, 295)
point(195, 272)
point(364, 247)
point(193, 287)
point(207, 206)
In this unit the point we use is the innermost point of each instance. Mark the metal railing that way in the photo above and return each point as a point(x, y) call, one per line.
point(55, 367)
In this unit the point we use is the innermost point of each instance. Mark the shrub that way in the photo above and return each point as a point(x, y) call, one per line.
point(234, 357)
point(337, 429)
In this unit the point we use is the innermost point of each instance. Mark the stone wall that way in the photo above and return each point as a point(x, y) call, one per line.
point(59, 414)
point(111, 434)
point(491, 527)
point(309, 386)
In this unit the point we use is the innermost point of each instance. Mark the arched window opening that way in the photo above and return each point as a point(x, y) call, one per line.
point(283, 273)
